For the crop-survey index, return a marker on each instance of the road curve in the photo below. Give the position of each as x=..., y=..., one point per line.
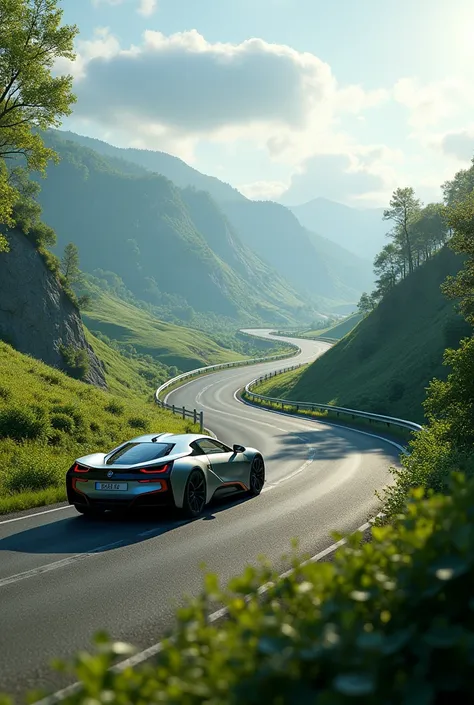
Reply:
x=63, y=577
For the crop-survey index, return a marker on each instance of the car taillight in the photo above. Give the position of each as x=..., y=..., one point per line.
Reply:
x=80, y=468
x=159, y=469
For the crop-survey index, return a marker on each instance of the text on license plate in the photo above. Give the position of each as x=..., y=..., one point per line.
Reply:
x=111, y=486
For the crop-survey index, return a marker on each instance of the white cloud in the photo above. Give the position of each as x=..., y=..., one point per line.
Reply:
x=181, y=85
x=145, y=7
x=342, y=177
x=263, y=190
x=430, y=104
x=459, y=144
x=177, y=92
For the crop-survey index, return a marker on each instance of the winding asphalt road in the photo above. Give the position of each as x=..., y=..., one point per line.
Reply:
x=63, y=577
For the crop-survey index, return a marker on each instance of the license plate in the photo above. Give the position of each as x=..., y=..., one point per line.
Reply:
x=111, y=486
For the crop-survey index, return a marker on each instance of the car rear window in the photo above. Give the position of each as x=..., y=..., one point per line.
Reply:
x=133, y=453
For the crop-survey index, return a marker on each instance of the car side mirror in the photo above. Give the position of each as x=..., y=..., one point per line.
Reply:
x=238, y=449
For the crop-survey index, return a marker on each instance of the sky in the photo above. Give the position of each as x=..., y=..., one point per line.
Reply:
x=287, y=100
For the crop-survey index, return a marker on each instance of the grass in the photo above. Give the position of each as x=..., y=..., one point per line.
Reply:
x=48, y=419
x=386, y=362
x=169, y=344
x=337, y=331
x=128, y=377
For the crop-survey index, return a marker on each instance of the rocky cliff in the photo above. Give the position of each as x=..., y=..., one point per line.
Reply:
x=36, y=316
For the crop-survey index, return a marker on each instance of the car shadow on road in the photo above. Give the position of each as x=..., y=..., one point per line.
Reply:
x=79, y=534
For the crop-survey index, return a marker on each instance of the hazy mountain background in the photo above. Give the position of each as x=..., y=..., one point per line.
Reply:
x=361, y=231
x=160, y=240
x=319, y=268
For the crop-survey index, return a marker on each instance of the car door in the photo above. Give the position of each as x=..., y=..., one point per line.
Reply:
x=226, y=464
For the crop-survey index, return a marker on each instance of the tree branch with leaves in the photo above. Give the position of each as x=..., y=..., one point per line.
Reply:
x=32, y=39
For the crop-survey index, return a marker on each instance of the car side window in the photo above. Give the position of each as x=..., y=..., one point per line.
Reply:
x=210, y=447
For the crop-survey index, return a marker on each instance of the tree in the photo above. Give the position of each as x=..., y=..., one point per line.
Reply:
x=457, y=190
x=84, y=301
x=404, y=210
x=366, y=304
x=430, y=231
x=70, y=263
x=31, y=98
x=387, y=265
x=461, y=219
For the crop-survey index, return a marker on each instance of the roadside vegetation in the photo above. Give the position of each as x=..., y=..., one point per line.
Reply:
x=48, y=419
x=335, y=331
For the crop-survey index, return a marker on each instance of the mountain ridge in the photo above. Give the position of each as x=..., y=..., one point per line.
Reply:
x=348, y=282
x=140, y=227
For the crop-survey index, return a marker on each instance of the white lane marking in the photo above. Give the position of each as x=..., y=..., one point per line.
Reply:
x=57, y=564
x=155, y=649
x=160, y=530
x=306, y=464
x=321, y=421
x=37, y=514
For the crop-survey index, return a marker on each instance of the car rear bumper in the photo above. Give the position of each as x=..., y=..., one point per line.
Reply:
x=137, y=495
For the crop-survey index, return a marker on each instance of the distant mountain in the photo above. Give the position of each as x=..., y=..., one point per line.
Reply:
x=316, y=266
x=180, y=173
x=311, y=263
x=359, y=231
x=161, y=241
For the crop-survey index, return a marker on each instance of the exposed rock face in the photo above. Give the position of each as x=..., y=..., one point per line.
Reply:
x=36, y=316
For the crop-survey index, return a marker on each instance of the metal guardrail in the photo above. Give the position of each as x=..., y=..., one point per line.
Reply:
x=313, y=406
x=199, y=415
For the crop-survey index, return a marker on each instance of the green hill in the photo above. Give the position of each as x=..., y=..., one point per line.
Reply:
x=386, y=362
x=141, y=228
x=172, y=167
x=47, y=419
x=337, y=331
x=166, y=343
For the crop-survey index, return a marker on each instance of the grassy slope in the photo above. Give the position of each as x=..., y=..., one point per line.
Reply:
x=32, y=471
x=385, y=364
x=338, y=331
x=182, y=347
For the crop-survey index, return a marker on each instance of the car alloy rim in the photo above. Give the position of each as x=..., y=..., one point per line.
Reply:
x=257, y=476
x=196, y=492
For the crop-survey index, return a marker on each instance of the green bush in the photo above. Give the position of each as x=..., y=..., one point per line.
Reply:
x=62, y=422
x=390, y=621
x=21, y=423
x=73, y=411
x=76, y=361
x=5, y=393
x=32, y=470
x=115, y=408
x=138, y=423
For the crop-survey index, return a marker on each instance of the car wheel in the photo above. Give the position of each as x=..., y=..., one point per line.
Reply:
x=89, y=511
x=194, y=495
x=257, y=475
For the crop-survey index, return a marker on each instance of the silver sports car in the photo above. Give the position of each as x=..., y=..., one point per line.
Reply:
x=183, y=471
